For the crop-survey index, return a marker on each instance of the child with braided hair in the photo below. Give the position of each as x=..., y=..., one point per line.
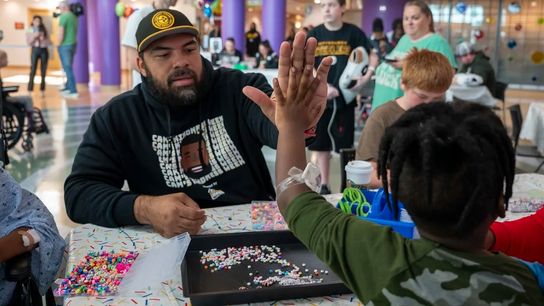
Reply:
x=452, y=166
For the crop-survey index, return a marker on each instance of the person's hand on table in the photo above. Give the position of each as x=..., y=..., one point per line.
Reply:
x=171, y=214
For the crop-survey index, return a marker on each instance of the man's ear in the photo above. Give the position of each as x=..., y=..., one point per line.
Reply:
x=141, y=65
x=501, y=209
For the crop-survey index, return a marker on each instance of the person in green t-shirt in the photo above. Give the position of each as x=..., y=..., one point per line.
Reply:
x=418, y=24
x=452, y=166
x=67, y=39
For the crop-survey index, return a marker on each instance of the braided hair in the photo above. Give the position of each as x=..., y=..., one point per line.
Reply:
x=448, y=164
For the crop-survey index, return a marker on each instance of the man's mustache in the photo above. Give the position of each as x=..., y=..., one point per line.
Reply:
x=181, y=73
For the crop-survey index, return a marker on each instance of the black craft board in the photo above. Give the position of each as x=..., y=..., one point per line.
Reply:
x=204, y=287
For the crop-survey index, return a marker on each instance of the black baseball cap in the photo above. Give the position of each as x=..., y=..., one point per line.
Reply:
x=162, y=23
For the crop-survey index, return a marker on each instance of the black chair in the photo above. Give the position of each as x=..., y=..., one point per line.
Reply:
x=522, y=150
x=14, y=120
x=26, y=293
x=346, y=155
x=499, y=94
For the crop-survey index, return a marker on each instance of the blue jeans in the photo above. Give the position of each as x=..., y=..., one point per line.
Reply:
x=66, y=54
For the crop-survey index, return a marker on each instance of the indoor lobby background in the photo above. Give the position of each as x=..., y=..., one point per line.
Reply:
x=513, y=37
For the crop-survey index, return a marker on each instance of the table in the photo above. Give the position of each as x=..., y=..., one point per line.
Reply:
x=476, y=94
x=236, y=218
x=533, y=126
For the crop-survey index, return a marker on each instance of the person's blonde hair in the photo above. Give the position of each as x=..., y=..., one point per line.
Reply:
x=427, y=70
x=425, y=9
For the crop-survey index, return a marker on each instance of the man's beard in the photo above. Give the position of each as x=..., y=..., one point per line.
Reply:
x=173, y=95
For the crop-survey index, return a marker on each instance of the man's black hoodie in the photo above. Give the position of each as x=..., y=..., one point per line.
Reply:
x=210, y=150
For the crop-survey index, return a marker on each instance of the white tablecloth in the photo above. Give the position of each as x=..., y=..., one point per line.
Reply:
x=236, y=218
x=476, y=94
x=533, y=126
x=270, y=74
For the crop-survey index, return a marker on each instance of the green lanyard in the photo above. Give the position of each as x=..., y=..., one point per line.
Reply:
x=353, y=196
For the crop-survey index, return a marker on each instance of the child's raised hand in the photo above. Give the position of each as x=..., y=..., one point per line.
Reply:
x=295, y=74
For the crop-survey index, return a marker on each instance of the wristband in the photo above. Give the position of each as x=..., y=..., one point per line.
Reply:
x=311, y=176
x=30, y=237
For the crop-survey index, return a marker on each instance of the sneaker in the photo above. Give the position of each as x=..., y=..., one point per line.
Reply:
x=357, y=62
x=70, y=95
x=325, y=190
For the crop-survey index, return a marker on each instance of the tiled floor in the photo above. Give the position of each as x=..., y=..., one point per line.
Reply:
x=44, y=170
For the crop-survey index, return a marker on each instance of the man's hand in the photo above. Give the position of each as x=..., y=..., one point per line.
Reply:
x=171, y=214
x=292, y=64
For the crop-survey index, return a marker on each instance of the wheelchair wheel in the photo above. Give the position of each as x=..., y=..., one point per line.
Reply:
x=13, y=123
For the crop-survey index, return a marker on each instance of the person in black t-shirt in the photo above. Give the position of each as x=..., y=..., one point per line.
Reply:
x=253, y=39
x=336, y=127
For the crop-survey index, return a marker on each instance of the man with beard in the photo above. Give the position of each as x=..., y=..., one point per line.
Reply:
x=183, y=114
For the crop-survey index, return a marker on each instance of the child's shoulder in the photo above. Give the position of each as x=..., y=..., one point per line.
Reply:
x=448, y=276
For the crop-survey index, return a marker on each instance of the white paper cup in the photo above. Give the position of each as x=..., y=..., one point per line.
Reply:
x=358, y=173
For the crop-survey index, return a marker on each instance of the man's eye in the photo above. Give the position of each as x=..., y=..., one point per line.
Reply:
x=161, y=55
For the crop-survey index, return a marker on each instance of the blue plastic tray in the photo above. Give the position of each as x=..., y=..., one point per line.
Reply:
x=381, y=214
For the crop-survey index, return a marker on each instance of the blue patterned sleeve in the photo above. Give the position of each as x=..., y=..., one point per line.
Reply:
x=21, y=208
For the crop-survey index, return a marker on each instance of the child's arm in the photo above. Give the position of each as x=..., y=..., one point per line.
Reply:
x=11, y=245
x=300, y=105
x=522, y=238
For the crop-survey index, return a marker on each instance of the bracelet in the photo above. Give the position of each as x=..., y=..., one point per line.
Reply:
x=29, y=238
x=310, y=132
x=311, y=176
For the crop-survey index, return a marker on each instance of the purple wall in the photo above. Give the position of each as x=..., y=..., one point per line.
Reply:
x=81, y=58
x=371, y=10
x=95, y=51
x=111, y=47
x=273, y=14
x=232, y=22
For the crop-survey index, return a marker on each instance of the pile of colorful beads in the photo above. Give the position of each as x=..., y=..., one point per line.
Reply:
x=99, y=273
x=289, y=274
x=266, y=216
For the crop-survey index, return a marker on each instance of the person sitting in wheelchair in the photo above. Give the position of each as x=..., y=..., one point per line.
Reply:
x=25, y=101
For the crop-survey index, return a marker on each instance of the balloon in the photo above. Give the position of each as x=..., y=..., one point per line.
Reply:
x=120, y=9
x=478, y=34
x=512, y=43
x=518, y=27
x=534, y=78
x=540, y=21
x=514, y=7
x=217, y=7
x=207, y=11
x=537, y=57
x=128, y=11
x=461, y=7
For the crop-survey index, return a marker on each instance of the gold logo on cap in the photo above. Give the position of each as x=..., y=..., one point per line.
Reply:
x=162, y=20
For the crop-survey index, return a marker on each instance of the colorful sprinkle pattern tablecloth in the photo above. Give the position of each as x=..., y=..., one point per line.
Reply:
x=87, y=238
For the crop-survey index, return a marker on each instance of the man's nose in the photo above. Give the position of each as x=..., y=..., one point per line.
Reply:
x=180, y=60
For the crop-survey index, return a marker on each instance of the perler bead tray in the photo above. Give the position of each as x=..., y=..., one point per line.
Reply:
x=250, y=267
